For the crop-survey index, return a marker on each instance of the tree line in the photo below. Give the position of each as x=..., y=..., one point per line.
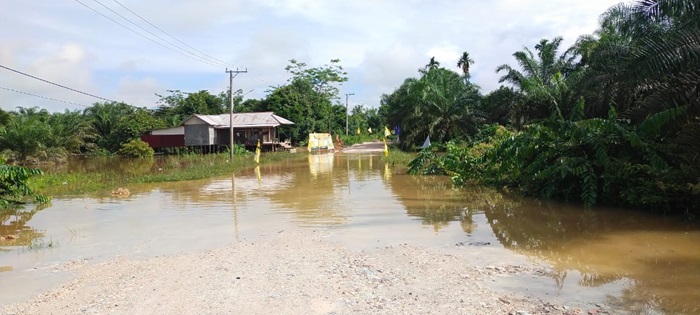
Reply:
x=310, y=99
x=614, y=119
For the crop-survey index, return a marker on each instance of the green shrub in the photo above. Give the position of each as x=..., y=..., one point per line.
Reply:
x=136, y=148
x=13, y=185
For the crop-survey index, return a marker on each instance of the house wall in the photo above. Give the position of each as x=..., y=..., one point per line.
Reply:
x=223, y=137
x=180, y=130
x=164, y=141
x=199, y=134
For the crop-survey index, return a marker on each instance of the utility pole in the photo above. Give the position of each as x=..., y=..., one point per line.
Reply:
x=346, y=112
x=230, y=117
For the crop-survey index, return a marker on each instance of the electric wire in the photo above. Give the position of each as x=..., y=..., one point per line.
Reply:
x=44, y=97
x=173, y=37
x=155, y=35
x=148, y=38
x=56, y=84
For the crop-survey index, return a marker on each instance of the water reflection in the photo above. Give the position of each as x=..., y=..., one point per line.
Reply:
x=437, y=203
x=654, y=261
x=657, y=257
x=645, y=262
x=14, y=223
x=15, y=231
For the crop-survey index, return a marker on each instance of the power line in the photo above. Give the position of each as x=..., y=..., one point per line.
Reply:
x=56, y=84
x=173, y=37
x=148, y=38
x=44, y=97
x=155, y=35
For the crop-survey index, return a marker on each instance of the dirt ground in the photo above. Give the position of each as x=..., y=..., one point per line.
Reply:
x=286, y=272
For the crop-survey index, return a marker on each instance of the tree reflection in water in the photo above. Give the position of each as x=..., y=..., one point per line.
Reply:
x=657, y=257
x=653, y=261
x=15, y=222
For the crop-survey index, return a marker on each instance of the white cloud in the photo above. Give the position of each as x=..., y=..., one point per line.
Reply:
x=138, y=91
x=380, y=43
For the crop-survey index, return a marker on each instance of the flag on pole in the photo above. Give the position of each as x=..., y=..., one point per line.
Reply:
x=257, y=153
x=386, y=149
x=358, y=130
x=386, y=132
x=369, y=129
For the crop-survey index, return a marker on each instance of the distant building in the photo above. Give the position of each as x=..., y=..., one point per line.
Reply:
x=166, y=138
x=212, y=132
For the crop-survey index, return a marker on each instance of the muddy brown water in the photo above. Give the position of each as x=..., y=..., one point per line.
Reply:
x=629, y=261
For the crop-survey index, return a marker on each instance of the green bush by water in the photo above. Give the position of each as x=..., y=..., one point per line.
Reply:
x=594, y=161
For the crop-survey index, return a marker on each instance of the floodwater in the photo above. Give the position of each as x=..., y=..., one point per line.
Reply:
x=630, y=261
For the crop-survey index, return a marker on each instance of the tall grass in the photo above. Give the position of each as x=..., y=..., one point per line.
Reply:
x=399, y=158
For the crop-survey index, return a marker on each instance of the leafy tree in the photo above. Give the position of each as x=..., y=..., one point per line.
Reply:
x=251, y=105
x=499, y=105
x=324, y=80
x=439, y=104
x=363, y=118
x=13, y=185
x=133, y=125
x=178, y=106
x=297, y=102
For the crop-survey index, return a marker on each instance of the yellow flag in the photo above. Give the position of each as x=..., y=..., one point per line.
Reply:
x=369, y=129
x=358, y=130
x=386, y=132
x=257, y=153
x=386, y=149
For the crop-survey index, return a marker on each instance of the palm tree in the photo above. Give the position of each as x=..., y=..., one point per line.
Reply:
x=438, y=104
x=541, y=78
x=536, y=69
x=645, y=60
x=432, y=64
x=464, y=62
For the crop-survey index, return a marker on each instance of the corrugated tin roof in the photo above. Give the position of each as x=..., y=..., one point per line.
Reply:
x=260, y=119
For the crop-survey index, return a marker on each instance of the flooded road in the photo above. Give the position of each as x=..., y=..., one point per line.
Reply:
x=629, y=261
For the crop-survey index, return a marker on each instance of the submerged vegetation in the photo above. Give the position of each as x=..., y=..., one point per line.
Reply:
x=100, y=177
x=615, y=119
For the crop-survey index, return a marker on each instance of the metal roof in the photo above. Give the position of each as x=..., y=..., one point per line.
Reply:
x=242, y=120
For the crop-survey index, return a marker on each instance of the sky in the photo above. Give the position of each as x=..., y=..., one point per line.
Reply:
x=380, y=43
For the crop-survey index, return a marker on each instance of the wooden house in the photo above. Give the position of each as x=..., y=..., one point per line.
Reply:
x=212, y=132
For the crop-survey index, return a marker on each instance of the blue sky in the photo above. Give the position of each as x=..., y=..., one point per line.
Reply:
x=380, y=43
